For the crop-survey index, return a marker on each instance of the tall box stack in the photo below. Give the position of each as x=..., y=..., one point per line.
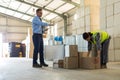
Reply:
x=71, y=57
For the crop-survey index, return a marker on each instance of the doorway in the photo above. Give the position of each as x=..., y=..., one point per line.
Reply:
x=1, y=52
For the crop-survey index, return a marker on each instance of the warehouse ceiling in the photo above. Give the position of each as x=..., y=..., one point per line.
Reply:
x=25, y=9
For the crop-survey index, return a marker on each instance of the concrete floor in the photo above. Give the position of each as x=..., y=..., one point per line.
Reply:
x=21, y=69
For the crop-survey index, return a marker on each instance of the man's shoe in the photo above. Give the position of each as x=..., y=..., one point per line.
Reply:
x=45, y=65
x=103, y=66
x=37, y=66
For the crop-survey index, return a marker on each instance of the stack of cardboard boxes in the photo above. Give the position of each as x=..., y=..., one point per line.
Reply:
x=74, y=59
x=71, y=57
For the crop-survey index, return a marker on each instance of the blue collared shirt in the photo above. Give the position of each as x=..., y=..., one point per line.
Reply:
x=37, y=25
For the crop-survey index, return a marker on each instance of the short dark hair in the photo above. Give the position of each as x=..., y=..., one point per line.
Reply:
x=38, y=10
x=85, y=35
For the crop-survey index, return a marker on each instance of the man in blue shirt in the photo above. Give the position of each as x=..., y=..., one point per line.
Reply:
x=38, y=26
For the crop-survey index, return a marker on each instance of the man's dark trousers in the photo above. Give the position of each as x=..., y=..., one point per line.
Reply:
x=104, y=52
x=38, y=48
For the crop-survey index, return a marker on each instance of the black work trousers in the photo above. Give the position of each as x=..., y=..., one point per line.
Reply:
x=104, y=52
x=38, y=48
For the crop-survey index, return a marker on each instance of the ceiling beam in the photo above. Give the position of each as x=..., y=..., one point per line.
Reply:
x=61, y=15
x=55, y=9
x=48, y=3
x=12, y=25
x=10, y=16
x=16, y=32
x=73, y=3
x=46, y=14
x=21, y=12
x=59, y=6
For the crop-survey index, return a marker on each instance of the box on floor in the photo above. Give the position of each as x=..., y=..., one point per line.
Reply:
x=71, y=62
x=88, y=62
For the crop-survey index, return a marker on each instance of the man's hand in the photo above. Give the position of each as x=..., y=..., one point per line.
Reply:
x=46, y=30
x=88, y=54
x=98, y=53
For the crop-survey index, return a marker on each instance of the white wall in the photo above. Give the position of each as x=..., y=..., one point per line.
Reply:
x=110, y=22
x=13, y=29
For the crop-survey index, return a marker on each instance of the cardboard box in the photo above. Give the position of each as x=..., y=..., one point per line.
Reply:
x=60, y=63
x=98, y=64
x=71, y=50
x=90, y=63
x=79, y=60
x=80, y=55
x=71, y=62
